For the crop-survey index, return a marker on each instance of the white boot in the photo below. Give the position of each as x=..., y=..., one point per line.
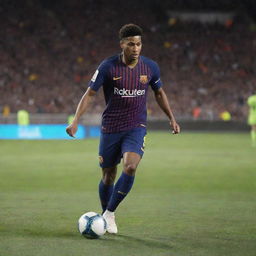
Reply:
x=110, y=219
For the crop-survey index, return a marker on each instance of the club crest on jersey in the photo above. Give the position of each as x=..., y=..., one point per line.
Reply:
x=143, y=79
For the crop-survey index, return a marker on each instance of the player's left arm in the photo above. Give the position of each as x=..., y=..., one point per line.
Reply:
x=162, y=101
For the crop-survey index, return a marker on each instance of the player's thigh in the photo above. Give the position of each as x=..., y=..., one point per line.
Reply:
x=133, y=149
x=110, y=150
x=134, y=141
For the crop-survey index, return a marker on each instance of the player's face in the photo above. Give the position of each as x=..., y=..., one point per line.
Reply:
x=131, y=47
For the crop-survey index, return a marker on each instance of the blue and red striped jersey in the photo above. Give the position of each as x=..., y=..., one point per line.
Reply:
x=125, y=91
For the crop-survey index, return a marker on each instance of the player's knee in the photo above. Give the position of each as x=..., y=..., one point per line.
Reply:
x=108, y=179
x=130, y=168
x=109, y=175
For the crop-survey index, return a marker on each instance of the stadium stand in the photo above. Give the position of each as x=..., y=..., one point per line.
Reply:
x=48, y=54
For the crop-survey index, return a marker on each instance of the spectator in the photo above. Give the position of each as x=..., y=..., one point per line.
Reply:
x=48, y=56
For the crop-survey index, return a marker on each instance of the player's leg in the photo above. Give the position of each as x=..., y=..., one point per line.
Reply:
x=132, y=149
x=133, y=144
x=125, y=181
x=121, y=189
x=109, y=157
x=106, y=185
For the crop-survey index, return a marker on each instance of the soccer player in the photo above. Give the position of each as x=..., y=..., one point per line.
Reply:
x=125, y=78
x=252, y=118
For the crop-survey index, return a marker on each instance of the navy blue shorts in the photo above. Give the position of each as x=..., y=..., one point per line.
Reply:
x=114, y=145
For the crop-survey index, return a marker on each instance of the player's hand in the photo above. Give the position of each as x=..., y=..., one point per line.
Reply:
x=175, y=127
x=71, y=130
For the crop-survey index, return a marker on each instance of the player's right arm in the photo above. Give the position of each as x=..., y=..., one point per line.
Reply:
x=96, y=82
x=81, y=109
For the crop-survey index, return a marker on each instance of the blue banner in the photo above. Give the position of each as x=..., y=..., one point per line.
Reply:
x=93, y=131
x=39, y=132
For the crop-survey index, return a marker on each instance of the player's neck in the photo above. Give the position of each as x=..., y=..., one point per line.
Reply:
x=129, y=63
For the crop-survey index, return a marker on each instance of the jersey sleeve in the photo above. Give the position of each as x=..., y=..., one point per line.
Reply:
x=155, y=81
x=99, y=77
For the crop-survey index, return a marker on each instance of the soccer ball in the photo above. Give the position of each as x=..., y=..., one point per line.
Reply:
x=92, y=225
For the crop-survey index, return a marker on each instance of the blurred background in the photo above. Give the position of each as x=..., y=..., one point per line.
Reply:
x=50, y=49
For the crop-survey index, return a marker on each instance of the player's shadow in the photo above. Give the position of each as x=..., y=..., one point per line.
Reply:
x=145, y=242
x=48, y=234
x=125, y=239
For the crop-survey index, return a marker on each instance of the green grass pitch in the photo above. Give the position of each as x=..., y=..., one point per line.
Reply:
x=194, y=194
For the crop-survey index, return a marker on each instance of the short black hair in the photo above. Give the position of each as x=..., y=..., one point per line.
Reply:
x=130, y=30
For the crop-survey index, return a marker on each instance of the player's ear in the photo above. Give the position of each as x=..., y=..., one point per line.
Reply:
x=122, y=44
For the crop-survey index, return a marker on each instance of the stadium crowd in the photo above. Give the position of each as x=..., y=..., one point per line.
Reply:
x=48, y=54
